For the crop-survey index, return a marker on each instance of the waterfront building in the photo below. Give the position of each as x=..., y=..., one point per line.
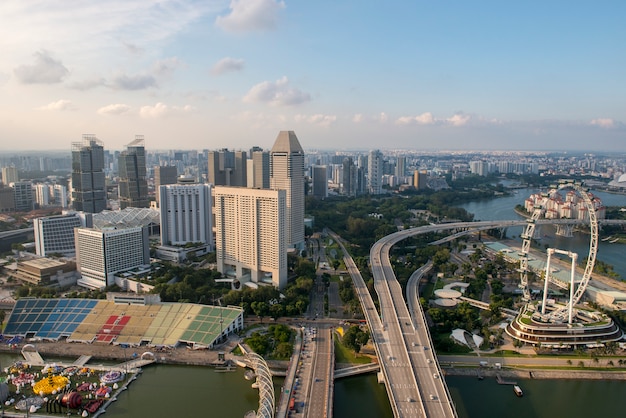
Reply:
x=100, y=254
x=23, y=195
x=55, y=234
x=133, y=186
x=88, y=181
x=186, y=214
x=164, y=175
x=46, y=271
x=227, y=168
x=10, y=175
x=251, y=234
x=375, y=167
x=287, y=173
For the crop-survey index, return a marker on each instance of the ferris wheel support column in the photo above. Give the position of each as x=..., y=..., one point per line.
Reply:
x=571, y=288
x=545, y=281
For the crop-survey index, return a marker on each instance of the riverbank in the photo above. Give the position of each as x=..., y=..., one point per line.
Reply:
x=536, y=373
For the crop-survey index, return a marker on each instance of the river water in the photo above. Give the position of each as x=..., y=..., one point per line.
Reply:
x=502, y=208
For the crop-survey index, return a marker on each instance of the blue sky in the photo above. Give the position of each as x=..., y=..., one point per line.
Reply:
x=347, y=74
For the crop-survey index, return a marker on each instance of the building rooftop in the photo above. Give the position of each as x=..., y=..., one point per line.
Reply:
x=287, y=141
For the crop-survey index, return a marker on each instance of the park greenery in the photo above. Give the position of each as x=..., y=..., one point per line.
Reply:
x=275, y=343
x=354, y=338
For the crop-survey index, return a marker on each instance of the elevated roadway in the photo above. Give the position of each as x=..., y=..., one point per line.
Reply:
x=402, y=341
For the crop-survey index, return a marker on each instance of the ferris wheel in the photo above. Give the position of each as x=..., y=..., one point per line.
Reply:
x=593, y=246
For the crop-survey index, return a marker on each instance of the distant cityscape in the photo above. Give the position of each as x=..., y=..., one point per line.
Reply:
x=247, y=206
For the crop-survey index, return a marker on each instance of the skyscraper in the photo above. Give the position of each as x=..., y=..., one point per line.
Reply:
x=260, y=170
x=375, y=172
x=133, y=186
x=227, y=168
x=9, y=175
x=23, y=192
x=88, y=185
x=319, y=174
x=250, y=234
x=186, y=214
x=164, y=175
x=287, y=173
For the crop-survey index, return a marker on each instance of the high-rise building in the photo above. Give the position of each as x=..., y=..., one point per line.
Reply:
x=287, y=173
x=260, y=175
x=375, y=166
x=348, y=180
x=101, y=253
x=133, y=186
x=42, y=194
x=164, y=175
x=88, y=185
x=250, y=234
x=60, y=195
x=23, y=192
x=10, y=175
x=420, y=179
x=186, y=215
x=400, y=166
x=7, y=199
x=55, y=234
x=227, y=168
x=319, y=175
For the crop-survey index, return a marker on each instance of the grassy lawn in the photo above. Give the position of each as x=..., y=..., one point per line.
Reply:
x=345, y=355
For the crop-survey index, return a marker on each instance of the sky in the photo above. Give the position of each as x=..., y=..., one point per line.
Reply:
x=347, y=74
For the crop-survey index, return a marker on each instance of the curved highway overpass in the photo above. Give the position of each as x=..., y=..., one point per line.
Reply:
x=403, y=343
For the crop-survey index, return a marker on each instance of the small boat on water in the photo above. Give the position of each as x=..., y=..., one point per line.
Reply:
x=518, y=391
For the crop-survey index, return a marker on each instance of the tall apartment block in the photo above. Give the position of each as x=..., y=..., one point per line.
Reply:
x=164, y=175
x=9, y=175
x=375, y=166
x=55, y=234
x=227, y=168
x=319, y=175
x=186, y=214
x=287, y=173
x=23, y=195
x=101, y=253
x=133, y=186
x=88, y=185
x=250, y=234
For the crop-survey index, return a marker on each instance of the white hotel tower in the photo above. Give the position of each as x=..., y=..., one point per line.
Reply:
x=250, y=234
x=287, y=173
x=186, y=214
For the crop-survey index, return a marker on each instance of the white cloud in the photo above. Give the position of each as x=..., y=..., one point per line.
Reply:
x=59, y=105
x=227, y=65
x=114, y=109
x=382, y=117
x=45, y=70
x=425, y=118
x=161, y=110
x=251, y=15
x=318, y=119
x=357, y=118
x=88, y=31
x=276, y=94
x=459, y=119
x=605, y=123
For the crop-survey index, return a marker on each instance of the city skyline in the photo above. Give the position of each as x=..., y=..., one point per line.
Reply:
x=348, y=75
